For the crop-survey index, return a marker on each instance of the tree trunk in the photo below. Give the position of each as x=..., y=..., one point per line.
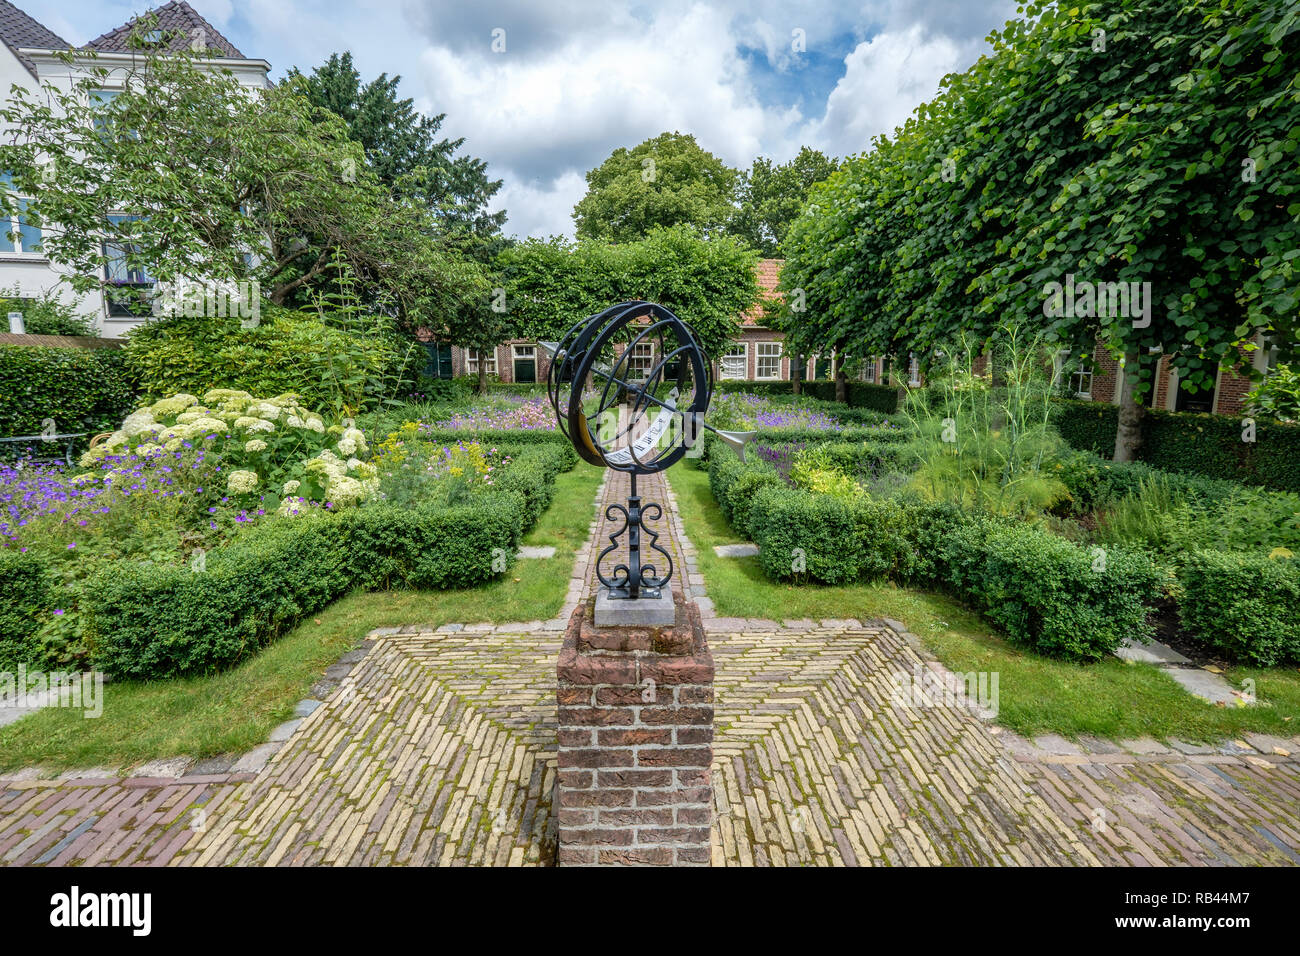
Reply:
x=1128, y=435
x=797, y=364
x=841, y=384
x=482, y=372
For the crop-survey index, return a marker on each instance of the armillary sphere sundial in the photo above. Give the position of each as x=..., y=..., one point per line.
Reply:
x=630, y=387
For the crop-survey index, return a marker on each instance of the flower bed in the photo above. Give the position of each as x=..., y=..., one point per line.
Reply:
x=187, y=485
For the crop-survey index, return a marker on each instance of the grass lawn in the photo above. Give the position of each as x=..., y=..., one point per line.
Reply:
x=234, y=711
x=1037, y=695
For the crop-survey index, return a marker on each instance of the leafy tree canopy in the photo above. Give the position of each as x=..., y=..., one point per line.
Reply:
x=771, y=196
x=403, y=147
x=551, y=285
x=666, y=181
x=1126, y=142
x=185, y=174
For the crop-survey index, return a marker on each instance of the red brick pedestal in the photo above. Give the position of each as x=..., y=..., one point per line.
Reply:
x=635, y=743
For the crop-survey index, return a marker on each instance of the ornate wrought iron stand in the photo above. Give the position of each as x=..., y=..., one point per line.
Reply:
x=634, y=579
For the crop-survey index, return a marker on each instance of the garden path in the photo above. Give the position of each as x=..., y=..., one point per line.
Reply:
x=438, y=747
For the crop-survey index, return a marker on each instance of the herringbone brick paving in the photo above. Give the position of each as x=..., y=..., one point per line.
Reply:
x=440, y=749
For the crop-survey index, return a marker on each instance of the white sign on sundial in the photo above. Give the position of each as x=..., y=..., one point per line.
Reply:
x=639, y=448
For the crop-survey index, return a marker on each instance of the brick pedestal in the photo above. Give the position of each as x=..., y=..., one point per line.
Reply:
x=635, y=743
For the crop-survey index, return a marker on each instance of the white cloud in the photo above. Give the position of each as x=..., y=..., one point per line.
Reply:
x=884, y=80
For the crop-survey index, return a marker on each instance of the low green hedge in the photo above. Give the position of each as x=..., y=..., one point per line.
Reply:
x=1039, y=589
x=495, y=438
x=83, y=390
x=880, y=398
x=1049, y=594
x=1209, y=445
x=1094, y=481
x=26, y=590
x=1246, y=606
x=800, y=534
x=148, y=622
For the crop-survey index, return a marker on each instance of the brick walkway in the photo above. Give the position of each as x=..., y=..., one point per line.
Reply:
x=438, y=748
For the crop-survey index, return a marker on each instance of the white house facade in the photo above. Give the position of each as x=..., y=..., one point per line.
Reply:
x=30, y=57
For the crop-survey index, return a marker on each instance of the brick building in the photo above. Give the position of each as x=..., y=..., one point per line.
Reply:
x=758, y=355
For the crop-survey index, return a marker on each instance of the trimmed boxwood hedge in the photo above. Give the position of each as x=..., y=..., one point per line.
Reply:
x=880, y=398
x=83, y=390
x=1039, y=589
x=1246, y=606
x=26, y=590
x=1209, y=445
x=148, y=622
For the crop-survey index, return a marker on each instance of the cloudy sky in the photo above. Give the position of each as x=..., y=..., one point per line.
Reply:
x=578, y=78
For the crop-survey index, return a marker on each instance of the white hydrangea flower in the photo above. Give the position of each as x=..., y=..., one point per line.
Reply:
x=174, y=444
x=343, y=490
x=254, y=445
x=266, y=410
x=137, y=422
x=254, y=424
x=216, y=396
x=166, y=407
x=185, y=418
x=241, y=482
x=354, y=464
x=347, y=447
x=114, y=440
x=358, y=437
x=290, y=487
x=208, y=426
x=182, y=431
x=148, y=448
x=315, y=423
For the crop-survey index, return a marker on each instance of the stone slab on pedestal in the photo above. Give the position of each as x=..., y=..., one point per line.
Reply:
x=635, y=742
x=638, y=612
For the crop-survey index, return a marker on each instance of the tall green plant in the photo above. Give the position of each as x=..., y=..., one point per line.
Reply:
x=982, y=425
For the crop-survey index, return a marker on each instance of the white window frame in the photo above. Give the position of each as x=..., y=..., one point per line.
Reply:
x=913, y=370
x=1077, y=378
x=867, y=372
x=472, y=358
x=722, y=362
x=524, y=352
x=12, y=227
x=759, y=357
x=634, y=370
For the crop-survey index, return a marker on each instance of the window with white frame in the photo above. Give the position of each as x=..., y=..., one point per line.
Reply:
x=641, y=361
x=734, y=362
x=1081, y=382
x=17, y=234
x=913, y=370
x=525, y=351
x=474, y=356
x=867, y=371
x=768, y=360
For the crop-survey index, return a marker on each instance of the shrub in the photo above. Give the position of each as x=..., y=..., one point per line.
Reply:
x=326, y=360
x=1209, y=445
x=1049, y=594
x=148, y=621
x=83, y=390
x=47, y=314
x=1246, y=606
x=26, y=589
x=800, y=534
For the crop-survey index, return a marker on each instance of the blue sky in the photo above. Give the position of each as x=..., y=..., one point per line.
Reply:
x=579, y=78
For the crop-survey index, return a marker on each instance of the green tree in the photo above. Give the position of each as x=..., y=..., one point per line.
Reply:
x=666, y=181
x=403, y=147
x=187, y=175
x=710, y=283
x=1132, y=141
x=771, y=196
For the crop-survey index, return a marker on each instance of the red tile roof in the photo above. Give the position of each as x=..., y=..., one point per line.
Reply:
x=768, y=273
